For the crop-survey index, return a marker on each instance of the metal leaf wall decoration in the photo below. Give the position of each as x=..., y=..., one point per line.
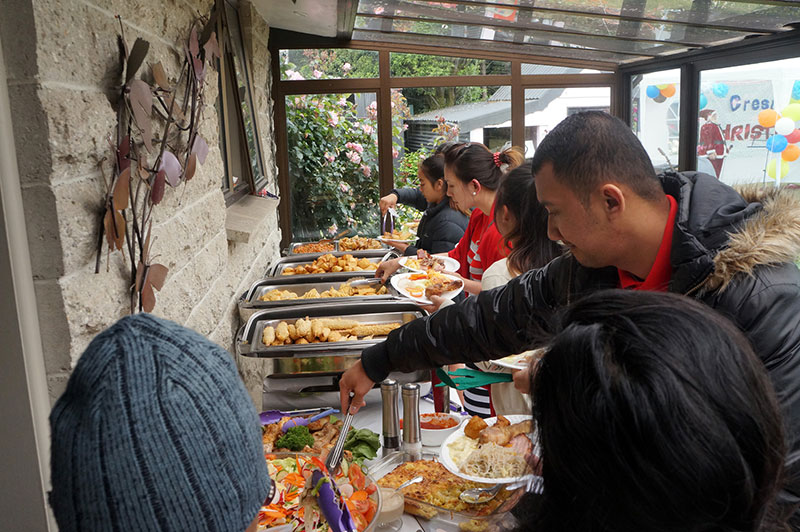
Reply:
x=168, y=113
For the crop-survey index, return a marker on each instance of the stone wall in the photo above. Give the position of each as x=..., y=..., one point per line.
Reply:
x=64, y=75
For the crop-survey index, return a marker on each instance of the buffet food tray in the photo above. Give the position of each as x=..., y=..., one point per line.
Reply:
x=249, y=301
x=373, y=255
x=295, y=245
x=323, y=358
x=436, y=517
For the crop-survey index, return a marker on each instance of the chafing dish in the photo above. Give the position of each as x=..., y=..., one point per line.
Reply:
x=373, y=255
x=300, y=284
x=324, y=358
x=335, y=243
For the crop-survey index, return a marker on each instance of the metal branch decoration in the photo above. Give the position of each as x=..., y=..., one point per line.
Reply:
x=157, y=144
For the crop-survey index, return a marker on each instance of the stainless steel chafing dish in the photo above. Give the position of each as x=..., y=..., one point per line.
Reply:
x=295, y=245
x=324, y=359
x=300, y=284
x=373, y=255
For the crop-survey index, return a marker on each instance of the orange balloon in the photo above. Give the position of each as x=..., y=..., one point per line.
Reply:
x=791, y=153
x=768, y=117
x=668, y=91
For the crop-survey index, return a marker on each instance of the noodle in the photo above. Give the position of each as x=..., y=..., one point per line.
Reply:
x=493, y=461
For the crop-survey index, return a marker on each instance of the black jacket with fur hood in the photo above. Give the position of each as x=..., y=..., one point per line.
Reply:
x=734, y=251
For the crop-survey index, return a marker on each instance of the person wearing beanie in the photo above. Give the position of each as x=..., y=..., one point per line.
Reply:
x=156, y=431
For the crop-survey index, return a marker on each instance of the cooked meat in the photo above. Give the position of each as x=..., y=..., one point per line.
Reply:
x=503, y=435
x=324, y=436
x=440, y=286
x=502, y=421
x=378, y=329
x=474, y=427
x=522, y=444
x=318, y=424
x=271, y=433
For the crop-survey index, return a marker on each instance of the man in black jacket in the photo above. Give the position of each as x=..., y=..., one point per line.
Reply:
x=625, y=227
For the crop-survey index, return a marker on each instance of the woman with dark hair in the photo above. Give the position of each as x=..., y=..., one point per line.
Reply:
x=441, y=226
x=653, y=413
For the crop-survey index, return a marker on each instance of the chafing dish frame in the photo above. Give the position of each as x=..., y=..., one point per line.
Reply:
x=275, y=269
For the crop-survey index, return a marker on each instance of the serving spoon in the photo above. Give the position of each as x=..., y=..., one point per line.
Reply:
x=407, y=483
x=481, y=495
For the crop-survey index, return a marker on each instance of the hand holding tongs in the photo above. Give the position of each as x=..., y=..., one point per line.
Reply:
x=390, y=215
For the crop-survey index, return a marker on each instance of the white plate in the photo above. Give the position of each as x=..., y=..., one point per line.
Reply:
x=518, y=361
x=401, y=281
x=450, y=264
x=447, y=460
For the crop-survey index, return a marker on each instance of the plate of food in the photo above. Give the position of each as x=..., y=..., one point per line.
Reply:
x=302, y=502
x=520, y=361
x=421, y=286
x=424, y=261
x=496, y=450
x=398, y=236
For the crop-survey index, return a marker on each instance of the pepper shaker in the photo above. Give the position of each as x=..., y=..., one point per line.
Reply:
x=411, y=432
x=390, y=396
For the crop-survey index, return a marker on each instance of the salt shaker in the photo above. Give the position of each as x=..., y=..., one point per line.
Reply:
x=390, y=396
x=411, y=435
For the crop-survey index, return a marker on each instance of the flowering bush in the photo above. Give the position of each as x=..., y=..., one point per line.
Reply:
x=333, y=159
x=333, y=155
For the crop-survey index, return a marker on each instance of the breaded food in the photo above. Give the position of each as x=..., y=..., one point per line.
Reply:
x=282, y=331
x=338, y=324
x=439, y=487
x=474, y=427
x=268, y=336
x=380, y=329
x=330, y=263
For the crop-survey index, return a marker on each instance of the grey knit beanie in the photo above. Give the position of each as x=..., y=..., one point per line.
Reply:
x=155, y=432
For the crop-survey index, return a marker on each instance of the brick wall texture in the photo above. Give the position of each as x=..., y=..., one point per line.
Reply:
x=64, y=74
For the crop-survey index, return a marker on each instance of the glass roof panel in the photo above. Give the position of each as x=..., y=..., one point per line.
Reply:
x=622, y=27
x=464, y=31
x=490, y=46
x=408, y=65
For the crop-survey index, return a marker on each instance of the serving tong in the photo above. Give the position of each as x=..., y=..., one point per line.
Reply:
x=330, y=498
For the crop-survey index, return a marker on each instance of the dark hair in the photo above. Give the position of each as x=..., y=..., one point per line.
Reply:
x=531, y=246
x=447, y=146
x=473, y=160
x=432, y=169
x=654, y=413
x=591, y=147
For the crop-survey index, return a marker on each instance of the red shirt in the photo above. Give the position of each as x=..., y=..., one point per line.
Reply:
x=661, y=272
x=480, y=247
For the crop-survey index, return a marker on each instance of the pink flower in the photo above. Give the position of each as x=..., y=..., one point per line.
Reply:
x=366, y=170
x=317, y=73
x=368, y=129
x=347, y=67
x=379, y=10
x=355, y=146
x=344, y=187
x=294, y=76
x=329, y=157
x=373, y=105
x=333, y=228
x=354, y=157
x=405, y=126
x=395, y=153
x=333, y=119
x=342, y=102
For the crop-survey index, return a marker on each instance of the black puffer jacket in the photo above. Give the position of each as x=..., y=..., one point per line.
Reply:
x=734, y=251
x=440, y=228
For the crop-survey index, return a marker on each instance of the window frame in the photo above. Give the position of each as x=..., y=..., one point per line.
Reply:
x=384, y=83
x=228, y=86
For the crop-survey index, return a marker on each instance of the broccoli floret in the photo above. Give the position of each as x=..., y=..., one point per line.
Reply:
x=295, y=439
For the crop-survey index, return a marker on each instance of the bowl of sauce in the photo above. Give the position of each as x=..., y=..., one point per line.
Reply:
x=436, y=427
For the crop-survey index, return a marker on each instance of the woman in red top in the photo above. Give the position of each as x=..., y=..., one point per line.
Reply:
x=473, y=174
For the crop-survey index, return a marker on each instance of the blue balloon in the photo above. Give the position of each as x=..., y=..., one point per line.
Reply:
x=777, y=143
x=719, y=90
x=703, y=101
x=796, y=90
x=652, y=91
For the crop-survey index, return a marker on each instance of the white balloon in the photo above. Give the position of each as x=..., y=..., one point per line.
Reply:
x=784, y=126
